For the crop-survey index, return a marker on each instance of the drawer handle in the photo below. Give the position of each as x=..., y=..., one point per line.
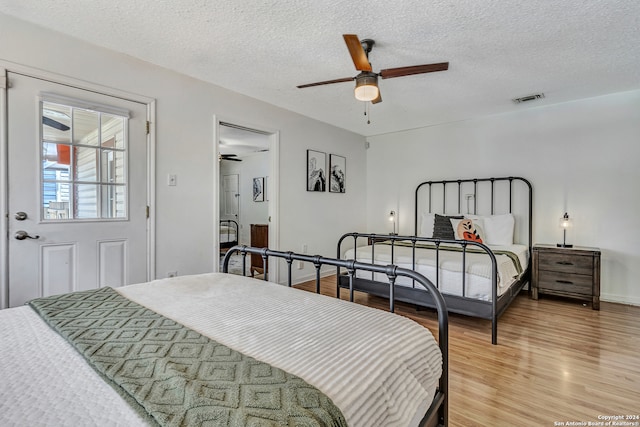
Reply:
x=564, y=263
x=566, y=282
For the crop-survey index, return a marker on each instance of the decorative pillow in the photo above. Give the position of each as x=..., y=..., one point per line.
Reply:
x=468, y=229
x=442, y=228
x=426, y=224
x=499, y=229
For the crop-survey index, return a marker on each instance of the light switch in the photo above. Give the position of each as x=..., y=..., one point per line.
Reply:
x=172, y=179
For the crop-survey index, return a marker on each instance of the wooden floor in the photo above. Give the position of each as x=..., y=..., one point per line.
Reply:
x=557, y=361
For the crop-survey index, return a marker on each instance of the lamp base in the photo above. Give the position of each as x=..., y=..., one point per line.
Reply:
x=564, y=245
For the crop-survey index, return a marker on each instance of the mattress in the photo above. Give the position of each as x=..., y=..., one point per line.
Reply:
x=377, y=367
x=478, y=274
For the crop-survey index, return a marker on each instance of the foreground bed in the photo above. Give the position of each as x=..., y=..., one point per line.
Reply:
x=476, y=279
x=358, y=358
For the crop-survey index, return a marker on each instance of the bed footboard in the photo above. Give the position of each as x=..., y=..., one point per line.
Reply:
x=226, y=233
x=438, y=411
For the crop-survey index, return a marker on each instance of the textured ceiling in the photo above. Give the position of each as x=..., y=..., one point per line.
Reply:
x=497, y=49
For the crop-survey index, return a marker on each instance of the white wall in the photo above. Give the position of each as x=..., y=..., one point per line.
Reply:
x=184, y=127
x=581, y=157
x=314, y=218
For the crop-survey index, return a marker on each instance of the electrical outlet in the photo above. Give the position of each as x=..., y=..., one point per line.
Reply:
x=172, y=274
x=300, y=265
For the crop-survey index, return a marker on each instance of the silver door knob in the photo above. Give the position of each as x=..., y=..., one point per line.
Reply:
x=21, y=235
x=20, y=216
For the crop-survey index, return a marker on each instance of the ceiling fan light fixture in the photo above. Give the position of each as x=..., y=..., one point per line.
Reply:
x=366, y=86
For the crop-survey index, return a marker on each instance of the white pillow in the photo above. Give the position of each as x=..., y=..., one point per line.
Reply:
x=498, y=229
x=426, y=224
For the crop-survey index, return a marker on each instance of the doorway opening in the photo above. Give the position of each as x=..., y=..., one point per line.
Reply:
x=246, y=208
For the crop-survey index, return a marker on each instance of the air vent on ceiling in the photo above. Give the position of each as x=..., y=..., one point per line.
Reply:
x=528, y=98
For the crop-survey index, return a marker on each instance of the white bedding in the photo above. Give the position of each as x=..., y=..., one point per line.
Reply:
x=378, y=368
x=478, y=282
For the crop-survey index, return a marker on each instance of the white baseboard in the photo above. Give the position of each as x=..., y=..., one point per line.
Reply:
x=620, y=299
x=306, y=277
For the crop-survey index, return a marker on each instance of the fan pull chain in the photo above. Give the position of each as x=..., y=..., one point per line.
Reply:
x=367, y=112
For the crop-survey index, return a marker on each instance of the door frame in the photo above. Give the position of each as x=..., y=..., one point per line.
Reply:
x=6, y=67
x=274, y=185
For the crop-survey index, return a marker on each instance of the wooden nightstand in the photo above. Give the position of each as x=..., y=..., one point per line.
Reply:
x=259, y=239
x=568, y=272
x=372, y=240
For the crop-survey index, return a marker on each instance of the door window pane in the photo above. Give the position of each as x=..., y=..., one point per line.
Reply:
x=55, y=160
x=112, y=131
x=84, y=163
x=114, y=201
x=56, y=122
x=112, y=167
x=85, y=201
x=85, y=127
x=53, y=193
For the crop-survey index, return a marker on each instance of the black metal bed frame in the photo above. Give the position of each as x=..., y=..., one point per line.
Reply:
x=230, y=224
x=438, y=412
x=490, y=310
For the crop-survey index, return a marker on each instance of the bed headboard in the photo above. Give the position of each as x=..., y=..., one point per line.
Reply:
x=479, y=196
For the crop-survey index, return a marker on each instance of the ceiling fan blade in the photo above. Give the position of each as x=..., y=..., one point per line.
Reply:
x=416, y=69
x=378, y=99
x=231, y=157
x=358, y=55
x=328, y=82
x=54, y=124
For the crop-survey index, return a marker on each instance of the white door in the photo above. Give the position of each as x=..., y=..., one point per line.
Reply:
x=77, y=189
x=231, y=197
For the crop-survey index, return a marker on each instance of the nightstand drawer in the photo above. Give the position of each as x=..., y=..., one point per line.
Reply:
x=569, y=263
x=565, y=282
x=372, y=240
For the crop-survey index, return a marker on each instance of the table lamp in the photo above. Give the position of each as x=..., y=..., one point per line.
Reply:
x=565, y=222
x=392, y=218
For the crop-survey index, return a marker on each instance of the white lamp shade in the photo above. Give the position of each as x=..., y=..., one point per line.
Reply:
x=366, y=87
x=565, y=221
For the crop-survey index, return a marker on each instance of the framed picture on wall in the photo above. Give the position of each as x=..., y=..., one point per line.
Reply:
x=316, y=167
x=337, y=173
x=258, y=189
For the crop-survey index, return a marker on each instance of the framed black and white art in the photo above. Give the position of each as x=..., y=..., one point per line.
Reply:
x=337, y=173
x=316, y=170
x=258, y=189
